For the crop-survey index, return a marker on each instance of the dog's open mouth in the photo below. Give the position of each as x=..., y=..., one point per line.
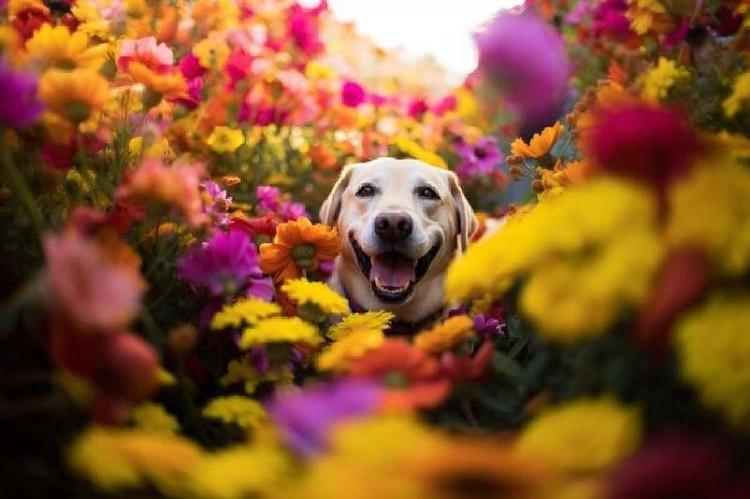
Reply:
x=393, y=275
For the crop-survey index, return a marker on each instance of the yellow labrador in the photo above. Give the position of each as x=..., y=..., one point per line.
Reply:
x=402, y=221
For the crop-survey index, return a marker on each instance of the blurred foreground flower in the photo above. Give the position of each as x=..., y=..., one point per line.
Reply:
x=526, y=57
x=19, y=106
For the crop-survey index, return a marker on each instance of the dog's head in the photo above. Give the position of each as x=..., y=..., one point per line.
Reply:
x=402, y=221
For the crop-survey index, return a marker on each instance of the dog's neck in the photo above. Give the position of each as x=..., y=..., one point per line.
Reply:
x=358, y=292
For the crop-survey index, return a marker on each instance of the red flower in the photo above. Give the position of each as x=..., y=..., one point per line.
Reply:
x=467, y=368
x=261, y=229
x=413, y=379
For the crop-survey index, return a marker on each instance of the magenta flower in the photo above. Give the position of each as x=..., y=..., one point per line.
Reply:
x=190, y=67
x=268, y=199
x=526, y=57
x=609, y=19
x=478, y=159
x=19, y=106
x=225, y=265
x=305, y=417
x=352, y=93
x=293, y=211
x=303, y=28
x=216, y=202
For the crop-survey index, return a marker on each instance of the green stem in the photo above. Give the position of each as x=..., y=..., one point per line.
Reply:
x=18, y=184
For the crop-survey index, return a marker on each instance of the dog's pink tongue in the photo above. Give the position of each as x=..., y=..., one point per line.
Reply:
x=392, y=271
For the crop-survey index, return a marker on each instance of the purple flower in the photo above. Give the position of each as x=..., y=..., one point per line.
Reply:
x=305, y=417
x=216, y=202
x=268, y=199
x=478, y=159
x=293, y=211
x=487, y=326
x=224, y=265
x=19, y=106
x=526, y=57
x=352, y=93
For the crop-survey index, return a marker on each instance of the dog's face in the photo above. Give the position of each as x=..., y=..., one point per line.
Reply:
x=402, y=222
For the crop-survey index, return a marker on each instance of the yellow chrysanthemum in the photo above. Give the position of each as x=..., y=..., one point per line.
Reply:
x=739, y=97
x=74, y=95
x=115, y=459
x=339, y=355
x=242, y=411
x=447, y=335
x=246, y=311
x=153, y=418
x=239, y=472
x=586, y=255
x=540, y=144
x=377, y=320
x=713, y=346
x=319, y=294
x=56, y=46
x=225, y=140
x=583, y=436
x=658, y=81
x=241, y=371
x=416, y=151
x=710, y=208
x=647, y=15
x=212, y=52
x=280, y=330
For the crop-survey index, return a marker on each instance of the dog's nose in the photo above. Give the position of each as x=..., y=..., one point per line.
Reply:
x=393, y=227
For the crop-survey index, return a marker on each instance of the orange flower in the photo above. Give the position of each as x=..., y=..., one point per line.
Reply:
x=447, y=335
x=539, y=145
x=412, y=377
x=168, y=84
x=298, y=245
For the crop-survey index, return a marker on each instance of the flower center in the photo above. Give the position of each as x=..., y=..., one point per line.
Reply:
x=77, y=111
x=303, y=255
x=395, y=379
x=480, y=153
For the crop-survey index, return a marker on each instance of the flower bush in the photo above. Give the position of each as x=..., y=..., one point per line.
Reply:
x=166, y=327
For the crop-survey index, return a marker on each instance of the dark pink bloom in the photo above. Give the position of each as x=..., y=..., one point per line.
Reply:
x=293, y=211
x=19, y=106
x=190, y=67
x=417, y=108
x=479, y=159
x=526, y=57
x=225, y=265
x=237, y=66
x=268, y=199
x=305, y=417
x=609, y=19
x=303, y=28
x=352, y=93
x=444, y=105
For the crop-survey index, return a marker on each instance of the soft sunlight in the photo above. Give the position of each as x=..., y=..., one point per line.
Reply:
x=439, y=28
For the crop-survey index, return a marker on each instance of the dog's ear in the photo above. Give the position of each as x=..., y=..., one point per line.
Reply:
x=331, y=207
x=467, y=221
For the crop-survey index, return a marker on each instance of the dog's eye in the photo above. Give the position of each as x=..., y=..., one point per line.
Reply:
x=365, y=191
x=427, y=192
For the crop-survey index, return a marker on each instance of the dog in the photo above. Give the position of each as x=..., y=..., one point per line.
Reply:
x=401, y=221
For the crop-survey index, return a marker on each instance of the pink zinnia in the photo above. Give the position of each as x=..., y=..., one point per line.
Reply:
x=86, y=288
x=157, y=57
x=352, y=93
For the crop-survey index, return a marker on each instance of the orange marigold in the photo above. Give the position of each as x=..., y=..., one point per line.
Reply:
x=298, y=245
x=539, y=145
x=447, y=335
x=412, y=378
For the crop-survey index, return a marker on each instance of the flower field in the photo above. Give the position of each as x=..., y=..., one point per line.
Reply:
x=166, y=326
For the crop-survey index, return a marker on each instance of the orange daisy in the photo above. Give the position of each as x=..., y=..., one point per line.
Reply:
x=298, y=245
x=539, y=145
x=446, y=336
x=413, y=379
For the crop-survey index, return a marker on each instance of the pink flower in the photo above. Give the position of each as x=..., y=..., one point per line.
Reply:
x=191, y=67
x=155, y=56
x=352, y=93
x=268, y=198
x=87, y=289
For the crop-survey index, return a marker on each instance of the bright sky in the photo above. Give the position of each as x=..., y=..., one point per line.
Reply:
x=441, y=28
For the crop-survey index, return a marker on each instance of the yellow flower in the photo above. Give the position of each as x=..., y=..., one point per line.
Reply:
x=91, y=22
x=647, y=15
x=152, y=418
x=713, y=347
x=587, y=255
x=710, y=209
x=116, y=459
x=376, y=320
x=339, y=355
x=242, y=411
x=586, y=436
x=225, y=140
x=241, y=371
x=246, y=311
x=319, y=294
x=316, y=70
x=211, y=52
x=740, y=94
x=74, y=95
x=56, y=46
x=239, y=472
x=657, y=82
x=447, y=335
x=540, y=144
x=169, y=84
x=416, y=151
x=280, y=330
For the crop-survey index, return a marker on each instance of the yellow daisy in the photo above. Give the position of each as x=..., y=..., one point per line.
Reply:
x=280, y=330
x=242, y=411
x=377, y=320
x=74, y=95
x=153, y=418
x=241, y=371
x=339, y=355
x=739, y=97
x=447, y=335
x=246, y=311
x=225, y=140
x=319, y=294
x=56, y=46
x=657, y=82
